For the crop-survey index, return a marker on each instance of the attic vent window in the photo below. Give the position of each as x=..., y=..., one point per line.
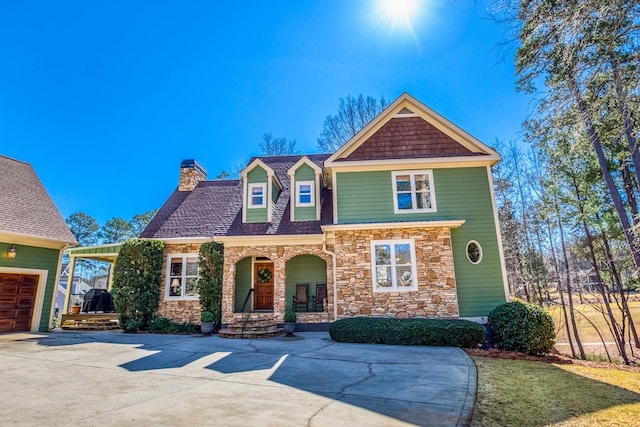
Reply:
x=405, y=110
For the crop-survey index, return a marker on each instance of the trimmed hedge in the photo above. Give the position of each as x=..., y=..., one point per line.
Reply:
x=162, y=325
x=437, y=332
x=522, y=327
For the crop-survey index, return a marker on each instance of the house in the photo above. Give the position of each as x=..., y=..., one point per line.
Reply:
x=400, y=221
x=32, y=238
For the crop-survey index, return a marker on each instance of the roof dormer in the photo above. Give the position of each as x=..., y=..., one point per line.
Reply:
x=261, y=189
x=306, y=184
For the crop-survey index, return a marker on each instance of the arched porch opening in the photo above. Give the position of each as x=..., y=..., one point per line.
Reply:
x=305, y=269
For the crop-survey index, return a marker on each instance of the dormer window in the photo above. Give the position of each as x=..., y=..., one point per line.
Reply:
x=304, y=193
x=257, y=197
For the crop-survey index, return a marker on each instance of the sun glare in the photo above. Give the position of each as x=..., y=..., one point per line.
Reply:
x=399, y=12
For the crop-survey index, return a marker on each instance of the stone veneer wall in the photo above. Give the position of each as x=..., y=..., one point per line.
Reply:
x=279, y=255
x=178, y=310
x=189, y=179
x=436, y=295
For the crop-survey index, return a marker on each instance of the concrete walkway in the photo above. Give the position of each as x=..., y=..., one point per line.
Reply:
x=117, y=379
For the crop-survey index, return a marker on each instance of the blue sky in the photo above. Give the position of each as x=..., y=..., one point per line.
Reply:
x=106, y=98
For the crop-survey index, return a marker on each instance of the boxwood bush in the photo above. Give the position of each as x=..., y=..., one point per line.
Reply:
x=162, y=325
x=523, y=327
x=439, y=332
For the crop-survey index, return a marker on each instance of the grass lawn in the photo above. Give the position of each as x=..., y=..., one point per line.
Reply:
x=524, y=393
x=586, y=330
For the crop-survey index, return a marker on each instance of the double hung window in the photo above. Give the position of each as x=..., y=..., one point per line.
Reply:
x=304, y=193
x=257, y=195
x=394, y=265
x=413, y=191
x=182, y=277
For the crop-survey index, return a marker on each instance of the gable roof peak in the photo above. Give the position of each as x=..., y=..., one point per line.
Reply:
x=429, y=134
x=304, y=160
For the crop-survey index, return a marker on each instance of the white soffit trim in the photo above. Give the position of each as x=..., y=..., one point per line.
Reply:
x=27, y=240
x=267, y=240
x=393, y=225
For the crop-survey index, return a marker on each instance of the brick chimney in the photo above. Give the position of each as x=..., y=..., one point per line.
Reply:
x=191, y=173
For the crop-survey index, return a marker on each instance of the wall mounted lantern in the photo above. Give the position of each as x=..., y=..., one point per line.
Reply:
x=11, y=252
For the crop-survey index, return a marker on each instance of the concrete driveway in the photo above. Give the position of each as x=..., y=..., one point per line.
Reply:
x=117, y=379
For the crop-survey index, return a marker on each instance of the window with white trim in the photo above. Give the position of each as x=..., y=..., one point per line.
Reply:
x=257, y=195
x=304, y=193
x=413, y=191
x=182, y=276
x=474, y=252
x=393, y=265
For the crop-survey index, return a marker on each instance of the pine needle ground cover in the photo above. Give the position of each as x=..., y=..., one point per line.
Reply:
x=523, y=393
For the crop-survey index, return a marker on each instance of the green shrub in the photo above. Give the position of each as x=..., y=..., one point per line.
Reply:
x=438, y=332
x=290, y=316
x=523, y=327
x=136, y=283
x=162, y=325
x=207, y=317
x=210, y=266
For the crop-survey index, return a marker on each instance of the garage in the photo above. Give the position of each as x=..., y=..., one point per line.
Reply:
x=17, y=301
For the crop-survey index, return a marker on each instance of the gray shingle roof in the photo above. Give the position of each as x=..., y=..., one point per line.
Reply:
x=25, y=205
x=214, y=208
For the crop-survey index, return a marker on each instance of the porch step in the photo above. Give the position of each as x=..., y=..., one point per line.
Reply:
x=257, y=327
x=90, y=322
x=252, y=326
x=226, y=333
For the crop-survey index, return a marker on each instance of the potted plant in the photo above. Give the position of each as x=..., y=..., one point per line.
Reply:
x=76, y=304
x=207, y=320
x=290, y=322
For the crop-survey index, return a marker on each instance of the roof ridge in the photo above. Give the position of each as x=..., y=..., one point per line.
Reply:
x=15, y=160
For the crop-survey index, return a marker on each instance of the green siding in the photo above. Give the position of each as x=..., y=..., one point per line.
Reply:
x=304, y=269
x=40, y=259
x=243, y=282
x=256, y=176
x=275, y=193
x=461, y=193
x=305, y=213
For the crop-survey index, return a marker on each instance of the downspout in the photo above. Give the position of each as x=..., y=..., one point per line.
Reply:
x=335, y=284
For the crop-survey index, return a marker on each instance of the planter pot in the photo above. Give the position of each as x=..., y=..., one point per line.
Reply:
x=75, y=309
x=289, y=327
x=206, y=328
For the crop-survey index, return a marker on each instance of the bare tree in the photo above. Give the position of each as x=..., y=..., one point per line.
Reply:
x=271, y=146
x=353, y=114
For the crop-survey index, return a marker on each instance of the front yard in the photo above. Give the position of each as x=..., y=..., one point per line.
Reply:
x=529, y=393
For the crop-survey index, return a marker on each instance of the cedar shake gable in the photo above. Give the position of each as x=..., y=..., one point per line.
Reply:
x=408, y=138
x=407, y=130
x=25, y=206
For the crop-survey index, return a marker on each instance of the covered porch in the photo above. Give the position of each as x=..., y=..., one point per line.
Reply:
x=263, y=282
x=90, y=311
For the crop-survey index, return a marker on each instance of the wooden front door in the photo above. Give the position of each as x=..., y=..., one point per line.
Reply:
x=17, y=301
x=263, y=286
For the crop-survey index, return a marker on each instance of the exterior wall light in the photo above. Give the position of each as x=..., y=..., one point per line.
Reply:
x=11, y=252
